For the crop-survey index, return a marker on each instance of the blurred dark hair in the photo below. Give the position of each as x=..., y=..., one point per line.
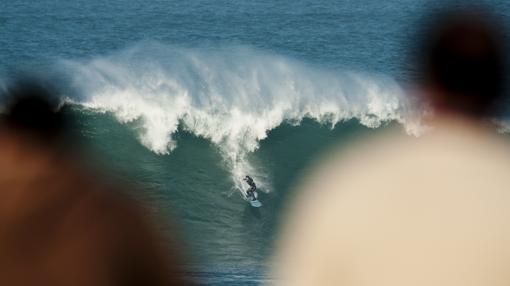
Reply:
x=462, y=54
x=34, y=110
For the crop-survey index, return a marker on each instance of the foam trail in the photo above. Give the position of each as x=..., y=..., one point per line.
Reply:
x=231, y=96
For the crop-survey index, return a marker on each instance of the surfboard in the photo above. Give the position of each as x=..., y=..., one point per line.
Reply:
x=253, y=202
x=256, y=204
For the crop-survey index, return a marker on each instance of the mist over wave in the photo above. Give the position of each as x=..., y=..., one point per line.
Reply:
x=231, y=96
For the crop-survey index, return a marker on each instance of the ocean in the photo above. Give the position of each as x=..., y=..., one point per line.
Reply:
x=185, y=98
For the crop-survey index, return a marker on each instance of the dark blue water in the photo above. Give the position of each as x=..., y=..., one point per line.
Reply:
x=360, y=34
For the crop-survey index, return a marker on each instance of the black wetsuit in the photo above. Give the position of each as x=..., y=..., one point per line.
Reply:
x=253, y=187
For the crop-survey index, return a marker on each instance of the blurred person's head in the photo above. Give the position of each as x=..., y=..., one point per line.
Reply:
x=463, y=63
x=33, y=114
x=404, y=211
x=32, y=108
x=61, y=223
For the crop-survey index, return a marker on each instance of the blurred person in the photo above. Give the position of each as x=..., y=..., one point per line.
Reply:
x=61, y=224
x=433, y=210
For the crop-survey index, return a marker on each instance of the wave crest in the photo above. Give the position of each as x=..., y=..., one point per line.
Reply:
x=231, y=96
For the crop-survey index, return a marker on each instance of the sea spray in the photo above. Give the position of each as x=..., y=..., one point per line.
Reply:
x=231, y=96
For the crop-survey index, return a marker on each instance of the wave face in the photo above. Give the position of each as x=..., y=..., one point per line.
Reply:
x=231, y=96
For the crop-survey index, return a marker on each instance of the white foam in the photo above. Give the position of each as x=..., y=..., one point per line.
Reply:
x=231, y=96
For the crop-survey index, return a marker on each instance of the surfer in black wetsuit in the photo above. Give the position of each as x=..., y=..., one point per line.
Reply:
x=251, y=192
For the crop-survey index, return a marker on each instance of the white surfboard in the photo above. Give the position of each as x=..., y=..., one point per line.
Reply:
x=253, y=202
x=256, y=203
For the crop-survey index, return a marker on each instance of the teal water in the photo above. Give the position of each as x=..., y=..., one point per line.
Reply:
x=191, y=184
x=183, y=98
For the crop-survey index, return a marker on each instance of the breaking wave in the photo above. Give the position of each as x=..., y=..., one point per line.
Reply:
x=231, y=96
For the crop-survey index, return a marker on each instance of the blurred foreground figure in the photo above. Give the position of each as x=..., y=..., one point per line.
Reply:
x=59, y=224
x=402, y=211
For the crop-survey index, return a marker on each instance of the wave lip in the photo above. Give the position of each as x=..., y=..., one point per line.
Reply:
x=231, y=96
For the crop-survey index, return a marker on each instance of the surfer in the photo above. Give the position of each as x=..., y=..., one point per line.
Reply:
x=251, y=192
